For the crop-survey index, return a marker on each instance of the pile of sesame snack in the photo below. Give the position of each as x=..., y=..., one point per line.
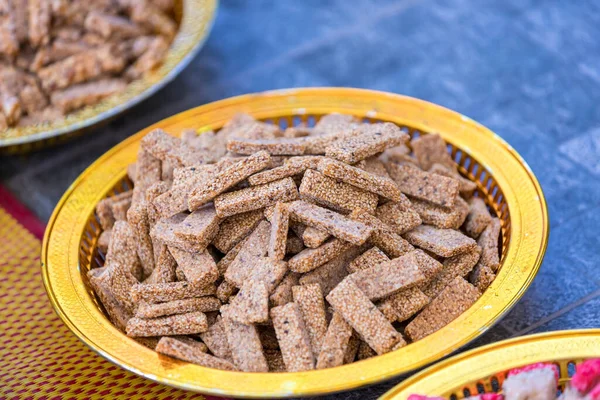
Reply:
x=259, y=249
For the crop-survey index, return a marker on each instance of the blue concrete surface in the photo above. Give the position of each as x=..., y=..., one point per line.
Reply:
x=527, y=69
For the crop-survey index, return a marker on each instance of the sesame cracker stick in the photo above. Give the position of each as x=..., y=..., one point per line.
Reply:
x=256, y=197
x=216, y=340
x=283, y=292
x=312, y=306
x=225, y=291
x=291, y=167
x=277, y=147
x=382, y=235
x=309, y=259
x=436, y=189
x=137, y=217
x=441, y=217
x=251, y=304
x=482, y=277
x=404, y=304
x=455, y=299
x=235, y=228
x=279, y=231
x=199, y=228
x=478, y=219
x=374, y=139
x=357, y=177
x=164, y=232
x=253, y=130
x=330, y=221
x=389, y=277
x=443, y=242
x=429, y=266
x=465, y=186
x=293, y=338
x=163, y=292
x=169, y=148
x=180, y=324
x=458, y=265
x=363, y=316
x=330, y=129
x=198, y=268
x=228, y=178
x=400, y=216
x=264, y=269
x=104, y=240
x=335, y=194
x=313, y=237
x=488, y=241
x=431, y=149
x=164, y=267
x=330, y=274
x=203, y=304
x=245, y=346
x=183, y=351
x=368, y=259
x=117, y=313
x=335, y=343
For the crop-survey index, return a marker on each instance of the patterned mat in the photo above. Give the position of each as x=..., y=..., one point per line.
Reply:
x=40, y=357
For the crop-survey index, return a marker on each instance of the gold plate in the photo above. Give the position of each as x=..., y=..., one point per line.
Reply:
x=196, y=18
x=482, y=369
x=504, y=181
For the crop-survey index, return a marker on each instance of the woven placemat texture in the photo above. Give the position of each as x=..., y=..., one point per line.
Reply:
x=41, y=358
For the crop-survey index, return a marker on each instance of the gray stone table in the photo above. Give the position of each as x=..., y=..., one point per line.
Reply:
x=528, y=69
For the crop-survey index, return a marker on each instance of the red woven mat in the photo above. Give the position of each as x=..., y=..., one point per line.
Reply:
x=40, y=357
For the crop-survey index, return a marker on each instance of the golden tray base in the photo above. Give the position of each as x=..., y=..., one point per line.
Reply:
x=195, y=21
x=504, y=180
x=483, y=370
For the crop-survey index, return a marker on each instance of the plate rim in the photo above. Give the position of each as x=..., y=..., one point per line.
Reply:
x=261, y=385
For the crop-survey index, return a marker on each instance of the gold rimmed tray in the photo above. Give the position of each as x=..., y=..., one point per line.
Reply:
x=504, y=181
x=195, y=21
x=483, y=370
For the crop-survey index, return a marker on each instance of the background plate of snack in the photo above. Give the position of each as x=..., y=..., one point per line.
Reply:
x=485, y=369
x=484, y=212
x=85, y=62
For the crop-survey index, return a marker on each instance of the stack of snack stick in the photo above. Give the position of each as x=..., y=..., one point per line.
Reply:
x=57, y=56
x=261, y=249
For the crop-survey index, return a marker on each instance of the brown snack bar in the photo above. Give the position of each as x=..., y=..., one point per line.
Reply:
x=330, y=129
x=357, y=177
x=164, y=231
x=9, y=42
x=154, y=53
x=164, y=267
x=251, y=304
x=169, y=148
x=313, y=237
x=293, y=337
x=216, y=340
x=202, y=304
x=327, y=275
x=403, y=305
x=104, y=240
x=199, y=228
x=117, y=313
x=336, y=224
x=465, y=186
x=401, y=343
x=309, y=259
x=152, y=18
x=199, y=268
x=180, y=324
x=482, y=277
x=225, y=291
x=400, y=216
x=104, y=208
x=335, y=194
x=275, y=360
x=137, y=216
x=85, y=94
x=283, y=292
x=365, y=351
x=455, y=299
x=262, y=269
x=458, y=265
x=375, y=166
x=235, y=228
x=164, y=292
x=255, y=245
x=312, y=306
x=291, y=167
x=246, y=127
x=228, y=178
x=107, y=25
x=119, y=209
x=382, y=235
x=488, y=241
x=255, y=197
x=178, y=349
x=429, y=266
x=434, y=188
x=389, y=277
x=40, y=17
x=478, y=219
x=279, y=232
x=443, y=242
x=294, y=244
x=245, y=346
x=363, y=316
x=335, y=343
x=441, y=217
x=374, y=139
x=368, y=259
x=277, y=147
x=431, y=149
